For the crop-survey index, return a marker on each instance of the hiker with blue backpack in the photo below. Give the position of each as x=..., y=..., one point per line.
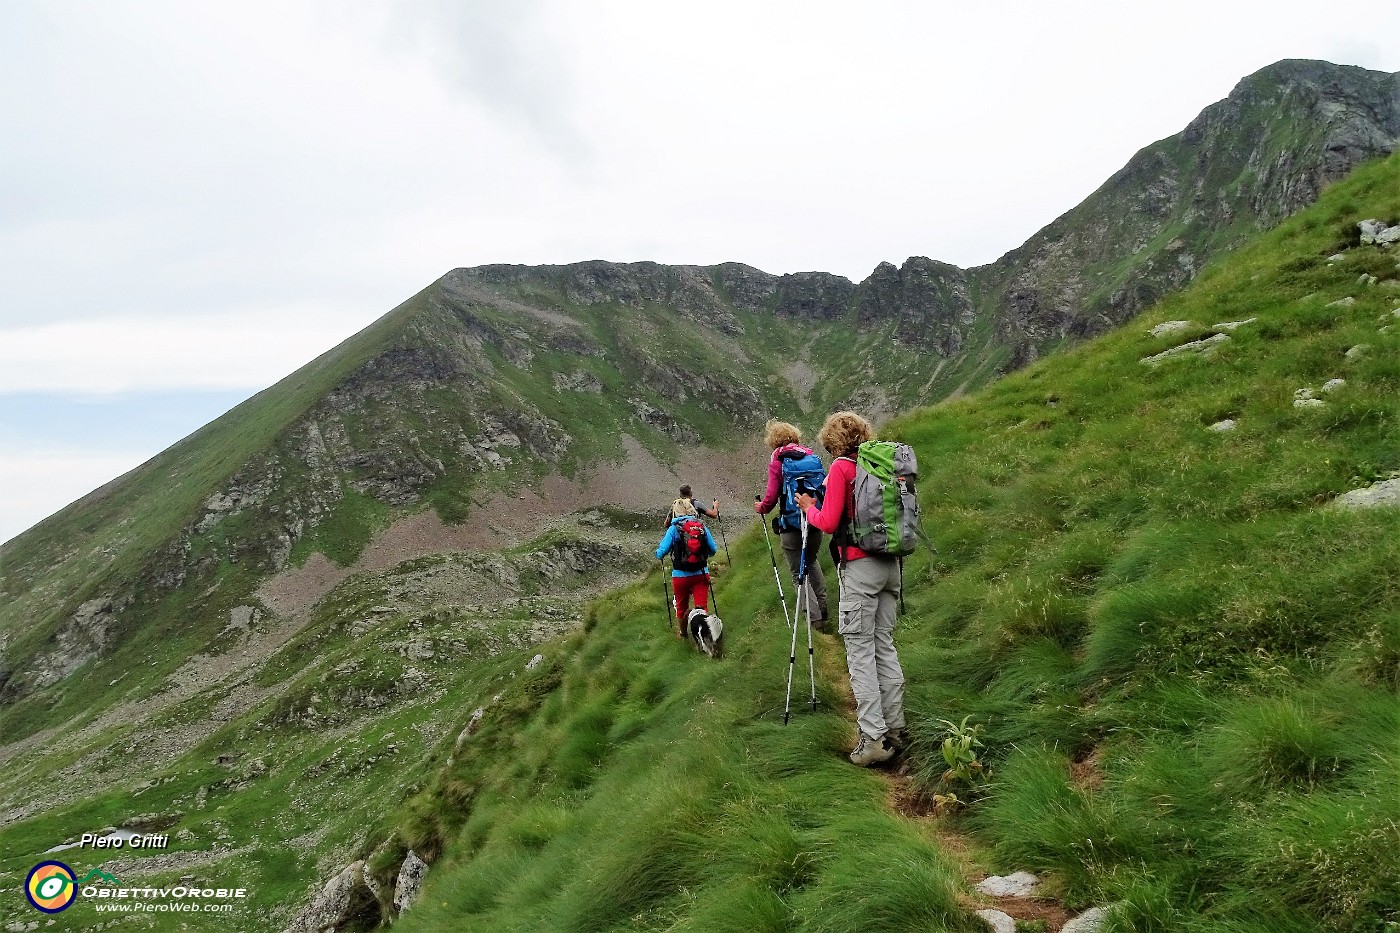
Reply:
x=871, y=510
x=690, y=546
x=790, y=467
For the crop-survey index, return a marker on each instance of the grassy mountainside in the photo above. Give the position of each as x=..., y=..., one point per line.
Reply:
x=1183, y=658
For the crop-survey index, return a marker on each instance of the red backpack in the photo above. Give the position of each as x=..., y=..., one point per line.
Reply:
x=692, y=547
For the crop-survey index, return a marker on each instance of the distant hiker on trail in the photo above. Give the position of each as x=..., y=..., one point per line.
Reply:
x=689, y=544
x=870, y=580
x=686, y=505
x=790, y=464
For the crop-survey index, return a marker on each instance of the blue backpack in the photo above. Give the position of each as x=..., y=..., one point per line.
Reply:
x=796, y=468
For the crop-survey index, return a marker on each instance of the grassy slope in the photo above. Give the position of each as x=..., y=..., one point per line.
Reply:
x=630, y=784
x=1173, y=605
x=1185, y=665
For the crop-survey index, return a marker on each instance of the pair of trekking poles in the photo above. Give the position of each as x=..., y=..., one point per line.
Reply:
x=804, y=598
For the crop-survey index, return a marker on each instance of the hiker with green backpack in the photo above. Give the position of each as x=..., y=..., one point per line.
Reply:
x=872, y=513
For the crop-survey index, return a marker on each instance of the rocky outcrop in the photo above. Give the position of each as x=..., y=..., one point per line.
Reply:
x=1378, y=232
x=1090, y=921
x=744, y=286
x=410, y=881
x=814, y=295
x=345, y=898
x=1203, y=347
x=998, y=921
x=680, y=379
x=928, y=301
x=82, y=638
x=1017, y=884
x=577, y=382
x=692, y=291
x=1166, y=328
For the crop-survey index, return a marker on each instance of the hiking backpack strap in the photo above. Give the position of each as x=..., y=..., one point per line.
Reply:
x=902, y=610
x=843, y=537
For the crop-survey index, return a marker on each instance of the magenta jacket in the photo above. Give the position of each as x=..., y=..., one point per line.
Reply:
x=840, y=480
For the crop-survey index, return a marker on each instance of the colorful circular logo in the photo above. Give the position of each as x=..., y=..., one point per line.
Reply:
x=50, y=887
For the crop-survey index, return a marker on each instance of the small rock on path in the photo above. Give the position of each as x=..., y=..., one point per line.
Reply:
x=1384, y=494
x=1087, y=922
x=998, y=921
x=1020, y=884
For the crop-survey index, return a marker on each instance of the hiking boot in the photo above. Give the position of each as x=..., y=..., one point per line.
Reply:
x=870, y=751
x=899, y=738
x=823, y=625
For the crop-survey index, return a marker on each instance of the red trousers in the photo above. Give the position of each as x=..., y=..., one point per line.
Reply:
x=697, y=586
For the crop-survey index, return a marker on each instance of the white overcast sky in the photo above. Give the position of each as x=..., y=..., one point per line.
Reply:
x=198, y=197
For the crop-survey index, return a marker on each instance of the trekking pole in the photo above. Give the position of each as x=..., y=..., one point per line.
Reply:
x=792, y=663
x=805, y=593
x=782, y=597
x=719, y=520
x=666, y=595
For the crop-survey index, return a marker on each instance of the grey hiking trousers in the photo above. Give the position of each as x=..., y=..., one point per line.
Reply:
x=869, y=593
x=816, y=580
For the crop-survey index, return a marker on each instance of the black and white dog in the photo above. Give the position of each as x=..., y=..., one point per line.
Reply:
x=706, y=631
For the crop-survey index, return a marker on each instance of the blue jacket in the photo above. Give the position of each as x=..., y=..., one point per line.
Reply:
x=668, y=541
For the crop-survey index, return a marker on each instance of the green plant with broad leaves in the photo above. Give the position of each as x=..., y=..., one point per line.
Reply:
x=959, y=749
x=959, y=746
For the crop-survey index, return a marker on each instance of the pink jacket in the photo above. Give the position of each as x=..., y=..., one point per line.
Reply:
x=840, y=480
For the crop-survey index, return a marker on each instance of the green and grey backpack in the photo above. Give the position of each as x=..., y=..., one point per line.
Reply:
x=884, y=512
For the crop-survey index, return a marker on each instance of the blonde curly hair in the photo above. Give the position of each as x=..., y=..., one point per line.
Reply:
x=777, y=433
x=843, y=432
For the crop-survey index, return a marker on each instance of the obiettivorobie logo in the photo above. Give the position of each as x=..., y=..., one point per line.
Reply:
x=51, y=886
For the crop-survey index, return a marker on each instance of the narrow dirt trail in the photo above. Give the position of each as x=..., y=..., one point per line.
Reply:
x=938, y=826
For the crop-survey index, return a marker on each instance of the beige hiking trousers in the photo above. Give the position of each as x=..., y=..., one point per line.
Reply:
x=869, y=595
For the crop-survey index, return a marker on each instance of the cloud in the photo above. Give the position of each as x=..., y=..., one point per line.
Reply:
x=1367, y=53
x=106, y=356
x=503, y=56
x=37, y=482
